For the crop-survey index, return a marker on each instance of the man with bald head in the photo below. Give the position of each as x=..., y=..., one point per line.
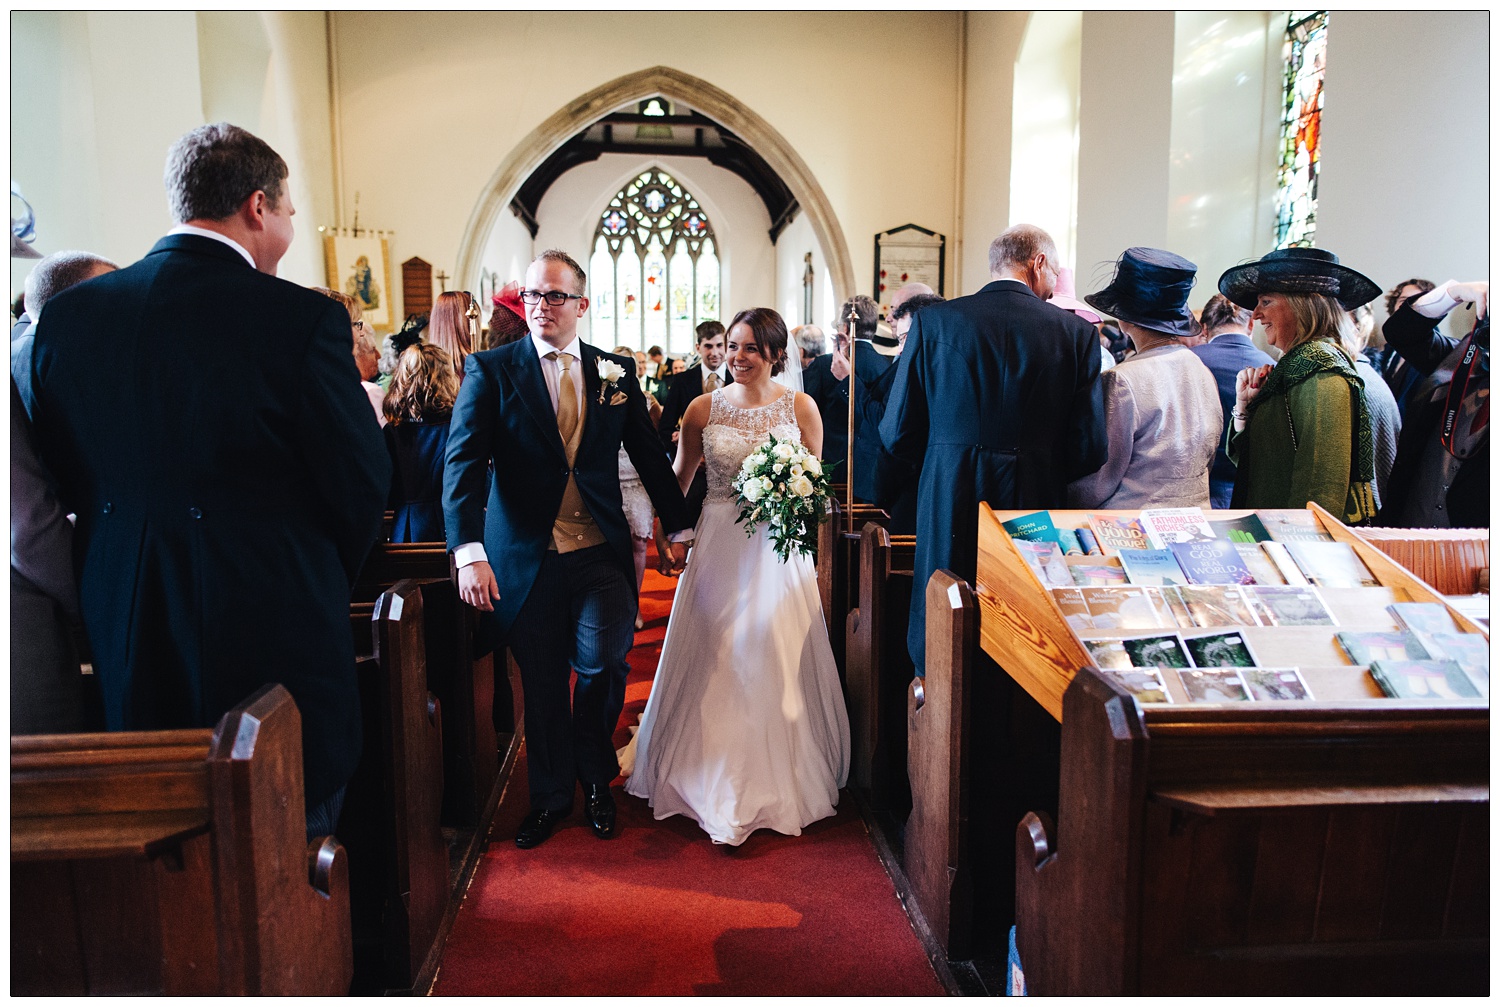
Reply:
x=996, y=399
x=48, y=278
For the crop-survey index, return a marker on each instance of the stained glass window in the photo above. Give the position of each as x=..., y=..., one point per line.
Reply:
x=654, y=273
x=1304, y=51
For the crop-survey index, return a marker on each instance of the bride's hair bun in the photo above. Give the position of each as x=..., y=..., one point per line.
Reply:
x=770, y=334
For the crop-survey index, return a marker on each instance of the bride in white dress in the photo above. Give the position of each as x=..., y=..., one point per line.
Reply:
x=745, y=728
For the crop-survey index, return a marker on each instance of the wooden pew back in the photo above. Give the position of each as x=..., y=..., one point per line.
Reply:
x=878, y=669
x=1258, y=851
x=838, y=563
x=390, y=824
x=174, y=862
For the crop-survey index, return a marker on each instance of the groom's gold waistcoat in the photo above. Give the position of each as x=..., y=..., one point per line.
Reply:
x=574, y=526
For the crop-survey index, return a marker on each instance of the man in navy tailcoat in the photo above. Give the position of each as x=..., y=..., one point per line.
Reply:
x=996, y=400
x=204, y=420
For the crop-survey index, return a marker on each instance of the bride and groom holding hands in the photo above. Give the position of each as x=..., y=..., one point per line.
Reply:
x=745, y=727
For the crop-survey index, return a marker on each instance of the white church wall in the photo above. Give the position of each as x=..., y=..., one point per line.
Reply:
x=1405, y=183
x=570, y=211
x=507, y=252
x=430, y=105
x=1045, y=132
x=1226, y=94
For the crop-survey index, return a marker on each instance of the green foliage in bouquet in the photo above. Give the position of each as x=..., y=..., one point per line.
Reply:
x=783, y=486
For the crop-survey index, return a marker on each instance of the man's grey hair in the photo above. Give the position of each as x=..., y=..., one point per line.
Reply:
x=810, y=340
x=1018, y=246
x=215, y=168
x=57, y=272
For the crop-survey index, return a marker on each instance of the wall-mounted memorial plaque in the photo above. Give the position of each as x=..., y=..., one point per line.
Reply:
x=907, y=254
x=416, y=286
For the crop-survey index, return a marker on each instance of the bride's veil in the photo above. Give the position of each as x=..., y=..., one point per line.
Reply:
x=791, y=374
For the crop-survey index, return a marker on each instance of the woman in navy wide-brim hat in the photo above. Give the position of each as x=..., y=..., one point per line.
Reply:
x=1301, y=430
x=1161, y=406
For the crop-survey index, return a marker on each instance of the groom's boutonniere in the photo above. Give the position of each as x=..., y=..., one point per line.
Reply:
x=610, y=374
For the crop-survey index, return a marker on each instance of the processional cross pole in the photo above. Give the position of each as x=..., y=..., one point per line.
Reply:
x=849, y=458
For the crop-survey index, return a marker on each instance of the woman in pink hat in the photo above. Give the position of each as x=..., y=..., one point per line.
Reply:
x=1063, y=296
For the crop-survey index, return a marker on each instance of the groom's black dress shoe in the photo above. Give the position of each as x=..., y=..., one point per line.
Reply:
x=599, y=805
x=538, y=825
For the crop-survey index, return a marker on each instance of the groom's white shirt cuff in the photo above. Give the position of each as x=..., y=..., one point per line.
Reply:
x=473, y=552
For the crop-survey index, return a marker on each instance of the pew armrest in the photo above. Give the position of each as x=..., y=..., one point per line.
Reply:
x=89, y=837
x=1033, y=840
x=1228, y=799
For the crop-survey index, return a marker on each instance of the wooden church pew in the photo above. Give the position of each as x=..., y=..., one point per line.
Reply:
x=878, y=669
x=838, y=563
x=1258, y=851
x=174, y=862
x=464, y=685
x=398, y=858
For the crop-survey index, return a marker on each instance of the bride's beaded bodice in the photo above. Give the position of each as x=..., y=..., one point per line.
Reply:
x=732, y=433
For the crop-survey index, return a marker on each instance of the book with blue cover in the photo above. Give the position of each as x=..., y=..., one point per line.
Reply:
x=1213, y=562
x=1152, y=567
x=1036, y=527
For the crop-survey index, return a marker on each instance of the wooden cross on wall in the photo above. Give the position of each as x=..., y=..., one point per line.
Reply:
x=442, y=278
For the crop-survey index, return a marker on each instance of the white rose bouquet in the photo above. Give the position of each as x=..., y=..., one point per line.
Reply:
x=782, y=484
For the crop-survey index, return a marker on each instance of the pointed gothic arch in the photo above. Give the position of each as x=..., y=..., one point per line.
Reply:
x=713, y=102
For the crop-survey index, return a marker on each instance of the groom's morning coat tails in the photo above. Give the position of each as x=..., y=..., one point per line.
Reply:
x=504, y=415
x=997, y=399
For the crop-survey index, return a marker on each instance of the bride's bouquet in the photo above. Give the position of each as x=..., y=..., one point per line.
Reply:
x=782, y=484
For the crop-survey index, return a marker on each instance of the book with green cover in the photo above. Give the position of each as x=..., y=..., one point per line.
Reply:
x=1165, y=651
x=1116, y=533
x=1035, y=527
x=1241, y=529
x=1367, y=648
x=1423, y=680
x=1293, y=526
x=1153, y=567
x=1220, y=650
x=1470, y=650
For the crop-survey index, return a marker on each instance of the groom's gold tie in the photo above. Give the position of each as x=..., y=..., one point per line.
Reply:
x=711, y=383
x=567, y=397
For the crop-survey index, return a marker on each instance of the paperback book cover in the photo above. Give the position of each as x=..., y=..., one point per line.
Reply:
x=1087, y=541
x=1212, y=562
x=1036, y=527
x=1423, y=617
x=1367, y=648
x=1153, y=567
x=1240, y=529
x=1261, y=568
x=1423, y=680
x=1293, y=526
x=1275, y=684
x=1290, y=606
x=1096, y=574
x=1218, y=606
x=1220, y=650
x=1331, y=564
x=1074, y=609
x=1114, y=534
x=1285, y=565
x=1470, y=650
x=1144, y=683
x=1172, y=607
x=1121, y=608
x=1157, y=652
x=1046, y=559
x=1068, y=540
x=1108, y=653
x=1165, y=525
x=1213, y=685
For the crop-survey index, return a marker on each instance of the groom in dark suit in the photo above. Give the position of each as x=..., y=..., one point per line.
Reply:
x=225, y=498
x=543, y=544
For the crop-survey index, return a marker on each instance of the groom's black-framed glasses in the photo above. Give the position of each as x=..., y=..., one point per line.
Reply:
x=556, y=298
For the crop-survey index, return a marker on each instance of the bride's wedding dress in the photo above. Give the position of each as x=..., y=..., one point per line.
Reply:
x=745, y=728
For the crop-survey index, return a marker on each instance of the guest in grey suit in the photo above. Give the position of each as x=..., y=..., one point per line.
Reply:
x=1227, y=352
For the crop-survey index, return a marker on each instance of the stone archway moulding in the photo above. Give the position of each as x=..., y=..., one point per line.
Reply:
x=713, y=102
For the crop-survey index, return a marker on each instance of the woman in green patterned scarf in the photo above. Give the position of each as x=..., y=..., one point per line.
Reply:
x=1301, y=429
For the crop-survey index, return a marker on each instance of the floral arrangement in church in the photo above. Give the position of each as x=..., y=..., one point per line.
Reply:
x=782, y=485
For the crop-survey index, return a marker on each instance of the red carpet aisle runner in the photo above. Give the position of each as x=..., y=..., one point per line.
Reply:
x=659, y=910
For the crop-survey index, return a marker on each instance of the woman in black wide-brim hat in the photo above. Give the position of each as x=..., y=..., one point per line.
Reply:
x=1161, y=406
x=1300, y=430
